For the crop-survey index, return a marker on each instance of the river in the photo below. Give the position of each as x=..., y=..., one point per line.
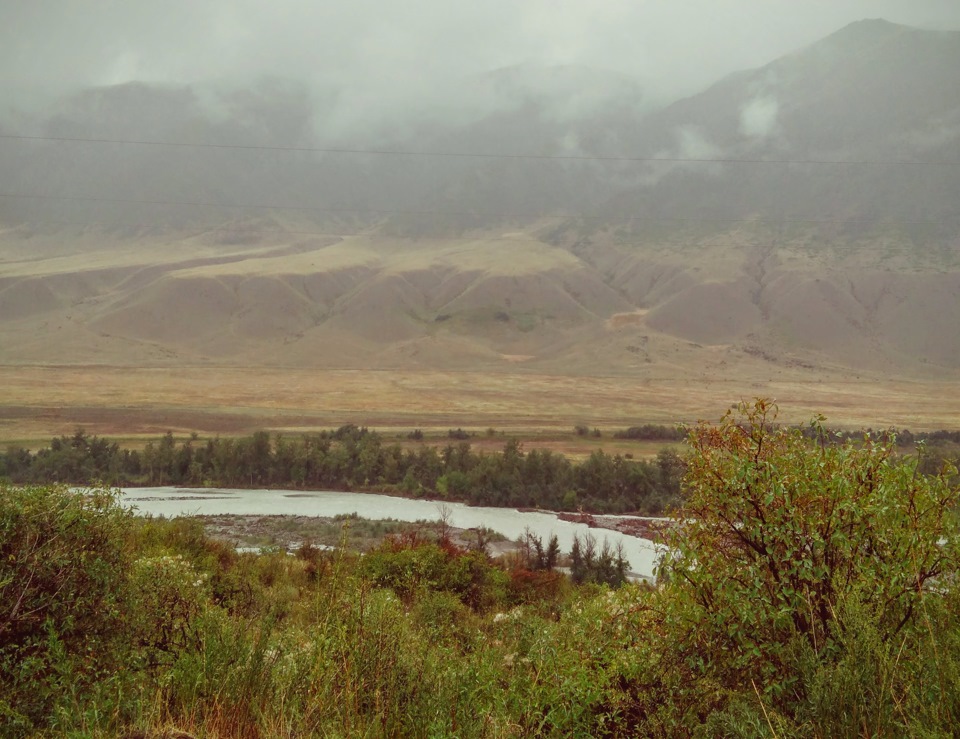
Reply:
x=172, y=502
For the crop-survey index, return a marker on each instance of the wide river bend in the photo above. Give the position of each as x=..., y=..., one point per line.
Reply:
x=172, y=502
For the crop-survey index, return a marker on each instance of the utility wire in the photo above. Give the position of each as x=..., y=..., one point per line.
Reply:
x=438, y=213
x=475, y=155
x=199, y=230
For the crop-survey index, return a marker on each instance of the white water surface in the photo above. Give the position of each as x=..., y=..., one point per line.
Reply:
x=172, y=502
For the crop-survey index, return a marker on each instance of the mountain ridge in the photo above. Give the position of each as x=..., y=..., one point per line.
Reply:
x=625, y=266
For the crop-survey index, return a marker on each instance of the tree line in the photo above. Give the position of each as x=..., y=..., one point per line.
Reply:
x=354, y=458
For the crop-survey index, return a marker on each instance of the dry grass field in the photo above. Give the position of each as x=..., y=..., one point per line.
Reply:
x=39, y=401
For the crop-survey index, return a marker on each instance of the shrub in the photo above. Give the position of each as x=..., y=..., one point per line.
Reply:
x=411, y=566
x=168, y=594
x=63, y=561
x=777, y=536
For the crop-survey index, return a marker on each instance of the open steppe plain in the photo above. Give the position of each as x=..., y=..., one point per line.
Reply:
x=40, y=401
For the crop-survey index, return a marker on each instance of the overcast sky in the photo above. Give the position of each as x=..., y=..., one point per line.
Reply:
x=383, y=50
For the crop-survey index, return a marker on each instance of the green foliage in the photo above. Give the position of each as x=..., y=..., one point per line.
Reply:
x=63, y=559
x=169, y=595
x=410, y=566
x=605, y=565
x=776, y=538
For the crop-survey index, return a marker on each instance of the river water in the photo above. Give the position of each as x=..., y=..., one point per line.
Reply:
x=171, y=502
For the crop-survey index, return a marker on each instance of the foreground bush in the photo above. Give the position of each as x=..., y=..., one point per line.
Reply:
x=63, y=564
x=799, y=574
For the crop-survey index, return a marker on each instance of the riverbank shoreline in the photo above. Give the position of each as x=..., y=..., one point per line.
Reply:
x=641, y=527
x=626, y=523
x=642, y=554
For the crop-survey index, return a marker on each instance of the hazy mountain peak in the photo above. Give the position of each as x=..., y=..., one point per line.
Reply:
x=864, y=36
x=871, y=26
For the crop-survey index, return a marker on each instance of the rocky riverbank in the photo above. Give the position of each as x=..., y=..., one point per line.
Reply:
x=645, y=528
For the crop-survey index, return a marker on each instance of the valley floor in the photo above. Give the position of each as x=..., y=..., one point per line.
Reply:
x=40, y=401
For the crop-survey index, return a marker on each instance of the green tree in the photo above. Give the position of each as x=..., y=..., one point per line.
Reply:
x=777, y=534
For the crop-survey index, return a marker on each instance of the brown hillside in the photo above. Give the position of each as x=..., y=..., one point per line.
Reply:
x=494, y=302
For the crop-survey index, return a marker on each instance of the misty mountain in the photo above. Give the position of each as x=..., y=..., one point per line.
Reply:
x=537, y=110
x=872, y=92
x=516, y=111
x=793, y=218
x=868, y=89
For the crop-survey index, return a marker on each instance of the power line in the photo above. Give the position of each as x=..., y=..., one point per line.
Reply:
x=203, y=229
x=466, y=214
x=476, y=155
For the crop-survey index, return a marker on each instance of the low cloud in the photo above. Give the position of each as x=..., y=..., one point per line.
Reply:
x=691, y=144
x=393, y=59
x=758, y=117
